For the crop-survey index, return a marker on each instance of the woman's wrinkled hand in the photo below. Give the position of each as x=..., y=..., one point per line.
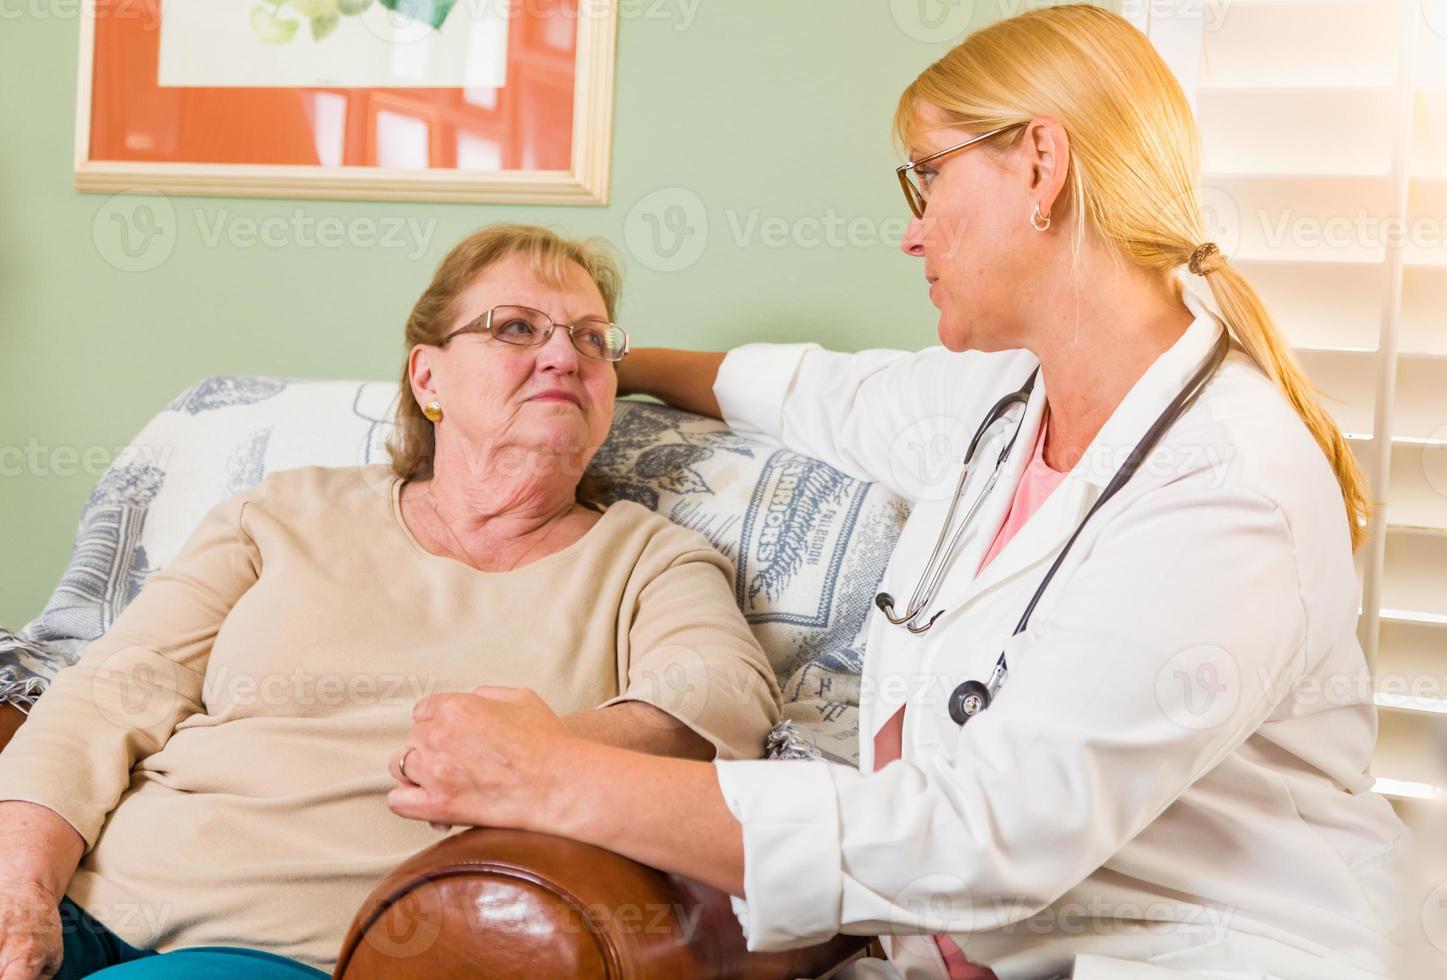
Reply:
x=30, y=943
x=492, y=758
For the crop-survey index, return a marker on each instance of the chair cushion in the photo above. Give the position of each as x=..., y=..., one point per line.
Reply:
x=809, y=544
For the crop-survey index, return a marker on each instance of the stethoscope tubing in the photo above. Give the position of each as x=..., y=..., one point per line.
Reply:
x=1178, y=406
x=972, y=697
x=932, y=578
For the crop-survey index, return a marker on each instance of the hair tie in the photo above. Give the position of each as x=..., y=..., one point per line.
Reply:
x=1201, y=254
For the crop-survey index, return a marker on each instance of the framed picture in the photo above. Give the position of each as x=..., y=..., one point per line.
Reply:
x=499, y=101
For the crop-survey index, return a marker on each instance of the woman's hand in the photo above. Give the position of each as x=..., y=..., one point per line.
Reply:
x=30, y=943
x=493, y=758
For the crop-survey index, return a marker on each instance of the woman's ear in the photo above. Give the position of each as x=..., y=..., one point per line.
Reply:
x=1047, y=149
x=419, y=372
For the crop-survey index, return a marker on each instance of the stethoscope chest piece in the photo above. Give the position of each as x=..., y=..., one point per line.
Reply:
x=973, y=697
x=968, y=700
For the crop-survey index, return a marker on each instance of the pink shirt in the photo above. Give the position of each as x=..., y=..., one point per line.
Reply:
x=1036, y=484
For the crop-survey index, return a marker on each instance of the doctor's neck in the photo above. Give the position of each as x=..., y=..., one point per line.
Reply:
x=1095, y=338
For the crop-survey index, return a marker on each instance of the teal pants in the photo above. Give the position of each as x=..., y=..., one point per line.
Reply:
x=92, y=950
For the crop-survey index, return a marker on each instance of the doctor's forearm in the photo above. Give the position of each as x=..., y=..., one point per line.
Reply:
x=666, y=813
x=682, y=378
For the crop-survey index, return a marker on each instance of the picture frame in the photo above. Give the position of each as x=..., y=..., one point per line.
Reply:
x=547, y=130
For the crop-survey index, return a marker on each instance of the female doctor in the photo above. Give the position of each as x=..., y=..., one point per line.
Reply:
x=1163, y=768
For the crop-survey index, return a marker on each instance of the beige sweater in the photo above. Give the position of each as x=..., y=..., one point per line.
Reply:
x=223, y=748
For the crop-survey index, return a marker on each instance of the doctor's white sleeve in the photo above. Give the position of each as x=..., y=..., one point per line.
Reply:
x=867, y=414
x=1086, y=745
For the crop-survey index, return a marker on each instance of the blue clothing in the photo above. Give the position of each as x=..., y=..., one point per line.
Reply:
x=92, y=950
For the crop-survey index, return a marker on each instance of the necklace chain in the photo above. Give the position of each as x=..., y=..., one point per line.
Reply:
x=472, y=559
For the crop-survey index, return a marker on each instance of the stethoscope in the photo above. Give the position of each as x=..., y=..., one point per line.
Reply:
x=972, y=697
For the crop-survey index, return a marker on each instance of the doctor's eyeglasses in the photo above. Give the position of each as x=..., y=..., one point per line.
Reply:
x=523, y=326
x=916, y=176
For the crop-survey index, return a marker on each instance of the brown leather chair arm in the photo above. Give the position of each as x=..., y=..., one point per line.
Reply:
x=507, y=903
x=10, y=719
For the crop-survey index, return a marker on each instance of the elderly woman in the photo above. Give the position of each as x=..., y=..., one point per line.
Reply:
x=213, y=772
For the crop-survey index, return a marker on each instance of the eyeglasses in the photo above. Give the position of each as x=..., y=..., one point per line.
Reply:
x=523, y=326
x=917, y=194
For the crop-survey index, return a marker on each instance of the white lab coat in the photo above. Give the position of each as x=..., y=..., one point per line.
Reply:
x=1174, y=771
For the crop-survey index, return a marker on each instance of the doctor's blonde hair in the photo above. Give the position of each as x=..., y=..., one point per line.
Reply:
x=1133, y=173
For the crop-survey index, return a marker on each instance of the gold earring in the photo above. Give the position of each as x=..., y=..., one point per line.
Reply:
x=433, y=411
x=1038, y=221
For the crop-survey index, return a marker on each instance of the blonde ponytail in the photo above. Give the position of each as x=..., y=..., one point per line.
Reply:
x=1133, y=171
x=1254, y=329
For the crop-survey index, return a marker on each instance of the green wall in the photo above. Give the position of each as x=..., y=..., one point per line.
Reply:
x=768, y=119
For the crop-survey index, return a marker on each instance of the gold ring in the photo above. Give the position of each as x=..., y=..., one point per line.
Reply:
x=402, y=765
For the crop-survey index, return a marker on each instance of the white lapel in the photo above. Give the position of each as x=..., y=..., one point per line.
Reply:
x=894, y=655
x=1051, y=526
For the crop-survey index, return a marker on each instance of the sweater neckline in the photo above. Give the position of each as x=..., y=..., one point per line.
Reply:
x=395, y=498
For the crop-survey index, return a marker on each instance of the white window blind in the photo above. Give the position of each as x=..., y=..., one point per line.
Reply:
x=1324, y=154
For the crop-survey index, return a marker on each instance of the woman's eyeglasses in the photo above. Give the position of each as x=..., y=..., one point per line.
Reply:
x=915, y=177
x=523, y=326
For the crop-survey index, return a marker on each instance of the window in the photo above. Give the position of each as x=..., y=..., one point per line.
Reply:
x=1324, y=155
